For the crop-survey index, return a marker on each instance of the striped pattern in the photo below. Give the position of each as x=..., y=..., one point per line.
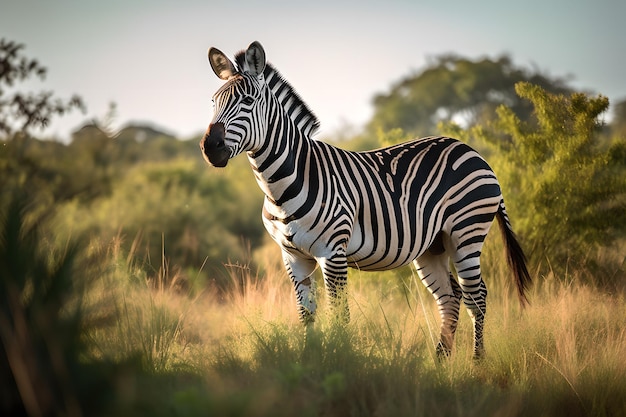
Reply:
x=427, y=201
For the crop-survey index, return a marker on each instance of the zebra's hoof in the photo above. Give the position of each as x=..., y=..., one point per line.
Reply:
x=307, y=318
x=479, y=355
x=443, y=352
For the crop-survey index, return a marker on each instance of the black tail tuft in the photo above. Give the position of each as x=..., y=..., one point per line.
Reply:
x=514, y=255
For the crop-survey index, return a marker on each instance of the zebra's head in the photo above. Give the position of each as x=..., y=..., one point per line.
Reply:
x=236, y=126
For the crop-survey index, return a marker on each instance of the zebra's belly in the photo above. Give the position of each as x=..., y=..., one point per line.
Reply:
x=381, y=254
x=382, y=265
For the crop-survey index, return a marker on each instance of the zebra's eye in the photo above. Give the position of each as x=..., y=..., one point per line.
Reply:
x=248, y=100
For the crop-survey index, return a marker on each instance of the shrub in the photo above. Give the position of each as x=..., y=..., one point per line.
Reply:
x=563, y=182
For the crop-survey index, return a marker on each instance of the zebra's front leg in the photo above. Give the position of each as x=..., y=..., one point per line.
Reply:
x=300, y=270
x=335, y=270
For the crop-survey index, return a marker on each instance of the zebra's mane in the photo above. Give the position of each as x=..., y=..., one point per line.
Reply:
x=295, y=107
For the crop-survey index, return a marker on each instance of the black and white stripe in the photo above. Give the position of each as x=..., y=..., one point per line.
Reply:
x=427, y=201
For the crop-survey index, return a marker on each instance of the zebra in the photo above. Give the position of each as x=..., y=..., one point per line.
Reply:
x=429, y=201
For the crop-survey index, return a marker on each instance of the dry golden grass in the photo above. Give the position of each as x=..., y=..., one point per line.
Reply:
x=245, y=353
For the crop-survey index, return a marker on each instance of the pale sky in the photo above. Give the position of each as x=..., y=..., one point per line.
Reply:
x=150, y=56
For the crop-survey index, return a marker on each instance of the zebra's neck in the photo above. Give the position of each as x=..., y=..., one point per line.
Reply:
x=279, y=164
x=281, y=161
x=303, y=118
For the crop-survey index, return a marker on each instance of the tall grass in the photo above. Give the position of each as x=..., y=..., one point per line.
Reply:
x=148, y=312
x=245, y=353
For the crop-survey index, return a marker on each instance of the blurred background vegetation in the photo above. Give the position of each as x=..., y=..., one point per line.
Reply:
x=141, y=203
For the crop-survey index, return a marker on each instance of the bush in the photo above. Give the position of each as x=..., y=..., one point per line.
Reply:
x=563, y=182
x=173, y=210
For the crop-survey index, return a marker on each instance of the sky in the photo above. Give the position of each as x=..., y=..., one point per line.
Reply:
x=150, y=56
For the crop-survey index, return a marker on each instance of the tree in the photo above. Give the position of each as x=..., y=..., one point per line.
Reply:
x=21, y=112
x=565, y=186
x=24, y=163
x=453, y=86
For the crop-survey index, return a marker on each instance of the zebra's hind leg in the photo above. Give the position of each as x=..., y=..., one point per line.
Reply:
x=474, y=296
x=434, y=271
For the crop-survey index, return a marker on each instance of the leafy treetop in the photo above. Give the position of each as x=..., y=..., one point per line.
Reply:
x=452, y=87
x=22, y=112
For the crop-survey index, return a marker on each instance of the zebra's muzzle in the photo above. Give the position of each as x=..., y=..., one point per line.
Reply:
x=213, y=147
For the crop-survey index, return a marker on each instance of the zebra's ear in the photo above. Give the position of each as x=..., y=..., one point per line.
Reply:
x=255, y=59
x=222, y=66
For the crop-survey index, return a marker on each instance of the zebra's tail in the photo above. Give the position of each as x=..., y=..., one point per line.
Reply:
x=514, y=255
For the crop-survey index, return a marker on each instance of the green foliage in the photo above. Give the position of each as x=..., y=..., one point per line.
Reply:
x=451, y=87
x=176, y=210
x=564, y=184
x=150, y=189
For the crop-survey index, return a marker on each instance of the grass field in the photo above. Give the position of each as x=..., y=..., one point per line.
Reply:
x=245, y=354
